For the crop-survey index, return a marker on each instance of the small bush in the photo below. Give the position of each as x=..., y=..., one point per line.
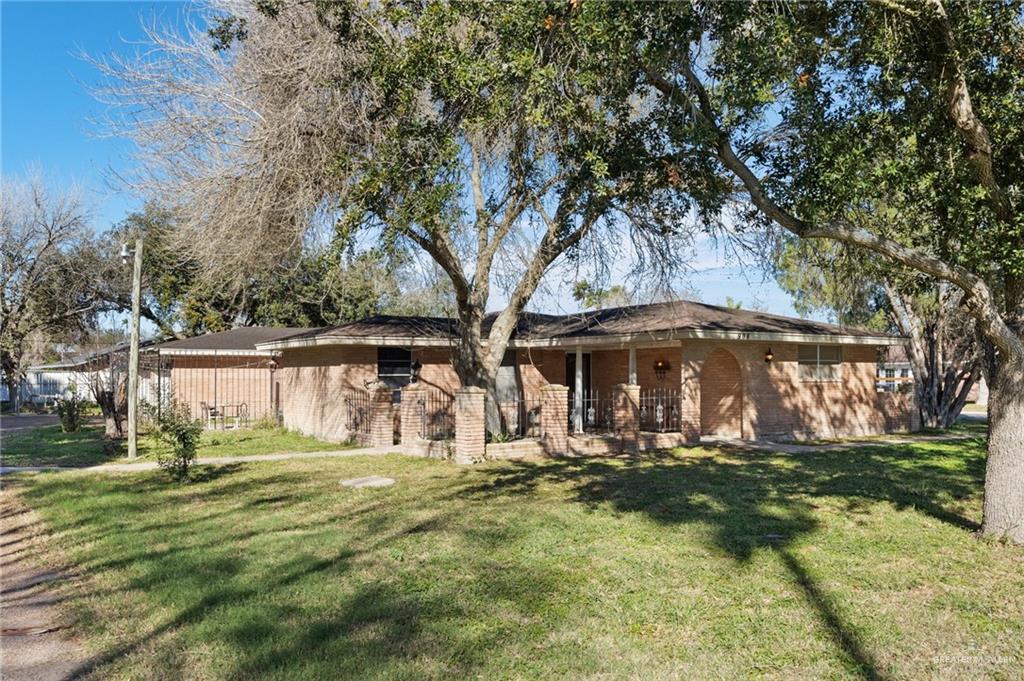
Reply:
x=176, y=427
x=69, y=410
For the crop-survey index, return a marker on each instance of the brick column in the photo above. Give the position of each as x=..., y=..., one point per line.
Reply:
x=382, y=417
x=470, y=433
x=911, y=410
x=554, y=419
x=411, y=418
x=626, y=413
x=691, y=365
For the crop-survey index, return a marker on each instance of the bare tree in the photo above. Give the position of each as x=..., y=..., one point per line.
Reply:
x=46, y=284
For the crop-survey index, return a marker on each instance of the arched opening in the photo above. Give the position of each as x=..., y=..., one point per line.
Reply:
x=721, y=396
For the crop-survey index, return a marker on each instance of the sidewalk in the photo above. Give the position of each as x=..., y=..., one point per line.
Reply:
x=34, y=641
x=204, y=461
x=796, y=448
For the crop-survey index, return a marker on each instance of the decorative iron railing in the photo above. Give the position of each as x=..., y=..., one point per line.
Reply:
x=437, y=415
x=516, y=418
x=357, y=413
x=660, y=410
x=597, y=410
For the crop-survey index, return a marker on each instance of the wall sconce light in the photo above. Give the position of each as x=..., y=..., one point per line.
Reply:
x=414, y=371
x=661, y=367
x=769, y=356
x=273, y=365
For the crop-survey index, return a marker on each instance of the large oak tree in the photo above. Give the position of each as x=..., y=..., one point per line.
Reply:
x=822, y=111
x=458, y=130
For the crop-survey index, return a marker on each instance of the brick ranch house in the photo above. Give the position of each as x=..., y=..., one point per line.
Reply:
x=632, y=377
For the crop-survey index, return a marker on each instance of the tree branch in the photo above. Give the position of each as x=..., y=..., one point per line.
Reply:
x=978, y=297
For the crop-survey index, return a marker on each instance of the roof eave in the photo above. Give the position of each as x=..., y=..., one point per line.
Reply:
x=197, y=352
x=610, y=340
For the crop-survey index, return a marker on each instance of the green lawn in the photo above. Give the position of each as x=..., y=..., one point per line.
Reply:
x=697, y=564
x=50, y=446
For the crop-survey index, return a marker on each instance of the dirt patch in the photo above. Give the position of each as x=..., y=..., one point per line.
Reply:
x=34, y=636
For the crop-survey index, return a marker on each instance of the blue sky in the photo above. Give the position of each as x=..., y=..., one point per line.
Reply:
x=46, y=113
x=45, y=100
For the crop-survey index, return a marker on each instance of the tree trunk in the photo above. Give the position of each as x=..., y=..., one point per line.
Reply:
x=1004, y=472
x=10, y=364
x=475, y=363
x=12, y=391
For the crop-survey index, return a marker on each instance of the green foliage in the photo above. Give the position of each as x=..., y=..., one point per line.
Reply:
x=319, y=286
x=176, y=427
x=503, y=81
x=844, y=283
x=226, y=30
x=593, y=297
x=69, y=410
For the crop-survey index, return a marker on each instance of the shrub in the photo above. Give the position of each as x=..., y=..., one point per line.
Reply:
x=176, y=427
x=69, y=410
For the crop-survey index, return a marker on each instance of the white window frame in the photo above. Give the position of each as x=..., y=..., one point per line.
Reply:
x=819, y=363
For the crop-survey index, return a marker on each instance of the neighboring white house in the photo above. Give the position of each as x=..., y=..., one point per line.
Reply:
x=85, y=373
x=895, y=372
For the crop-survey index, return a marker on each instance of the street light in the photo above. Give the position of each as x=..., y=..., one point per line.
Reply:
x=133, y=357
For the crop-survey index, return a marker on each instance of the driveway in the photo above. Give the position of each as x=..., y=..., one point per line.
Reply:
x=10, y=423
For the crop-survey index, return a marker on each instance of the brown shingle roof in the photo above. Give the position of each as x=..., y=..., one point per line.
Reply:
x=391, y=326
x=657, y=318
x=686, y=315
x=244, y=338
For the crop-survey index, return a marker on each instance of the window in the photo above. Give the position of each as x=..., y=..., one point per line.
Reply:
x=819, y=362
x=394, y=366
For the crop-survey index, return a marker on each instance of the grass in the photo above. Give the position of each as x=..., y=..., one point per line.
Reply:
x=49, y=446
x=694, y=564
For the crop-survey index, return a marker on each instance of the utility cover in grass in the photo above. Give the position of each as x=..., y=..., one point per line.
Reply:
x=369, y=481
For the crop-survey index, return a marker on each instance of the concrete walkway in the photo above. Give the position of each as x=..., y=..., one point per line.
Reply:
x=203, y=461
x=34, y=643
x=795, y=448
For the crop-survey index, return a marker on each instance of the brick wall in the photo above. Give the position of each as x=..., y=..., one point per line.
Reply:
x=776, y=403
x=438, y=370
x=469, y=425
x=538, y=368
x=721, y=395
x=312, y=383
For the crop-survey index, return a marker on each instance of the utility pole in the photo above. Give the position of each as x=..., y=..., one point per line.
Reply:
x=133, y=357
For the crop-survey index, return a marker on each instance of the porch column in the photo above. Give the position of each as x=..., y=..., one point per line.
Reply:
x=577, y=407
x=632, y=366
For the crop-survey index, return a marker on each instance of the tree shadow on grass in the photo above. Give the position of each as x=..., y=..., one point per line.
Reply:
x=381, y=625
x=755, y=501
x=312, y=614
